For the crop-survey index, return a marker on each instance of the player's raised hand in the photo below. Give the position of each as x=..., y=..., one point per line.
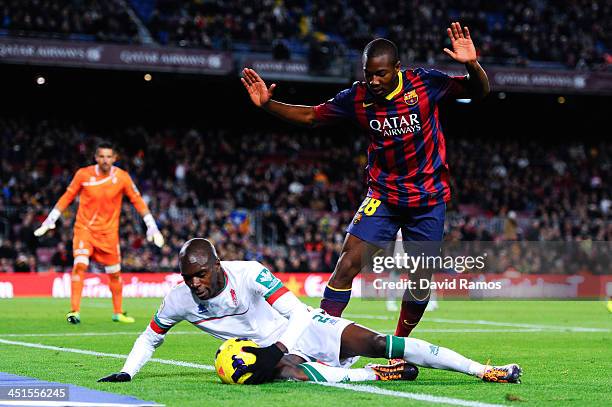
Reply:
x=44, y=228
x=259, y=92
x=155, y=236
x=116, y=377
x=48, y=223
x=463, y=48
x=153, y=233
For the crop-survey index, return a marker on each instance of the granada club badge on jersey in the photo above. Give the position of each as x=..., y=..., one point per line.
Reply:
x=411, y=98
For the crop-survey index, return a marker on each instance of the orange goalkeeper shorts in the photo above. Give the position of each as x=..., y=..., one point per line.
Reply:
x=101, y=247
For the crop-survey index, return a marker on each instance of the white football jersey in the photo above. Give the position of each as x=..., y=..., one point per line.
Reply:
x=242, y=309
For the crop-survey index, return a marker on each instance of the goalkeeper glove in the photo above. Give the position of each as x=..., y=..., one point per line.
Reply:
x=265, y=364
x=48, y=223
x=116, y=377
x=153, y=233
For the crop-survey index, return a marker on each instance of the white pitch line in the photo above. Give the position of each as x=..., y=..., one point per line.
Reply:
x=110, y=355
x=414, y=396
x=517, y=325
x=474, y=330
x=358, y=388
x=47, y=403
x=88, y=334
x=555, y=328
x=52, y=334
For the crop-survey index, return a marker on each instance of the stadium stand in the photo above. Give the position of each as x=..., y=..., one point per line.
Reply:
x=90, y=20
x=551, y=34
x=289, y=199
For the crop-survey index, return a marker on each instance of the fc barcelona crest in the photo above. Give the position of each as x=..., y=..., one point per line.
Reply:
x=411, y=98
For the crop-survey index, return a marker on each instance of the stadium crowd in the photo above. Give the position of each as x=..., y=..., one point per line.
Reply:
x=99, y=20
x=573, y=33
x=285, y=198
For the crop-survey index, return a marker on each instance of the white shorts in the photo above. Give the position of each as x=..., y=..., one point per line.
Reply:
x=321, y=341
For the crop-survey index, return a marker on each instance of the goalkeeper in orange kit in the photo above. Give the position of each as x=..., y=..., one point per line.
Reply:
x=96, y=230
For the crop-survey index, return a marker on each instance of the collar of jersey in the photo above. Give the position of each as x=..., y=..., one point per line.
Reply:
x=97, y=170
x=224, y=285
x=398, y=89
x=370, y=98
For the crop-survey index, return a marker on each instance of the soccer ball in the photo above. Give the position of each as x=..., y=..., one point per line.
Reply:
x=231, y=361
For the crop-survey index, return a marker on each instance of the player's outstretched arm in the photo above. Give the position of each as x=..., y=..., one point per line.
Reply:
x=65, y=200
x=261, y=96
x=141, y=352
x=464, y=51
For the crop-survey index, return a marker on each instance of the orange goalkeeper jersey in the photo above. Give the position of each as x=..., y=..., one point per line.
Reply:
x=100, y=198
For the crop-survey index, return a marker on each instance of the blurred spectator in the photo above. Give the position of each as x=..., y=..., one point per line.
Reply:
x=285, y=198
x=100, y=20
x=62, y=259
x=569, y=33
x=564, y=33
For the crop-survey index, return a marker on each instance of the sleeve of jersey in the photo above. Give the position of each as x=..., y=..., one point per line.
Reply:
x=335, y=109
x=142, y=351
x=160, y=325
x=71, y=192
x=284, y=301
x=152, y=337
x=289, y=306
x=134, y=196
x=442, y=85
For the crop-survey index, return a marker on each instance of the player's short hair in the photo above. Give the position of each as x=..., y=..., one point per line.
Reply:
x=104, y=144
x=381, y=46
x=198, y=250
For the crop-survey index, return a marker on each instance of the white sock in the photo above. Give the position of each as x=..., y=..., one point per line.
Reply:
x=423, y=353
x=318, y=372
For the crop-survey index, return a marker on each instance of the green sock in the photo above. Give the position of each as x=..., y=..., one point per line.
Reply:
x=395, y=347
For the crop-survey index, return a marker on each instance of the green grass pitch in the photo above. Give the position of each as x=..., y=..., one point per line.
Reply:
x=561, y=366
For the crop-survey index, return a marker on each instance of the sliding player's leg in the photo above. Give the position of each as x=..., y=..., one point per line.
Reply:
x=293, y=367
x=316, y=356
x=358, y=340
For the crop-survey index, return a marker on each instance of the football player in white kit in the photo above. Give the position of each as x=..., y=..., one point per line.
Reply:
x=229, y=299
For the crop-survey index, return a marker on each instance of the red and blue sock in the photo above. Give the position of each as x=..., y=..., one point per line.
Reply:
x=335, y=300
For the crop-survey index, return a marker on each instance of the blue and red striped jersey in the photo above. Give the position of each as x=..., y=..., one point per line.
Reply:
x=407, y=153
